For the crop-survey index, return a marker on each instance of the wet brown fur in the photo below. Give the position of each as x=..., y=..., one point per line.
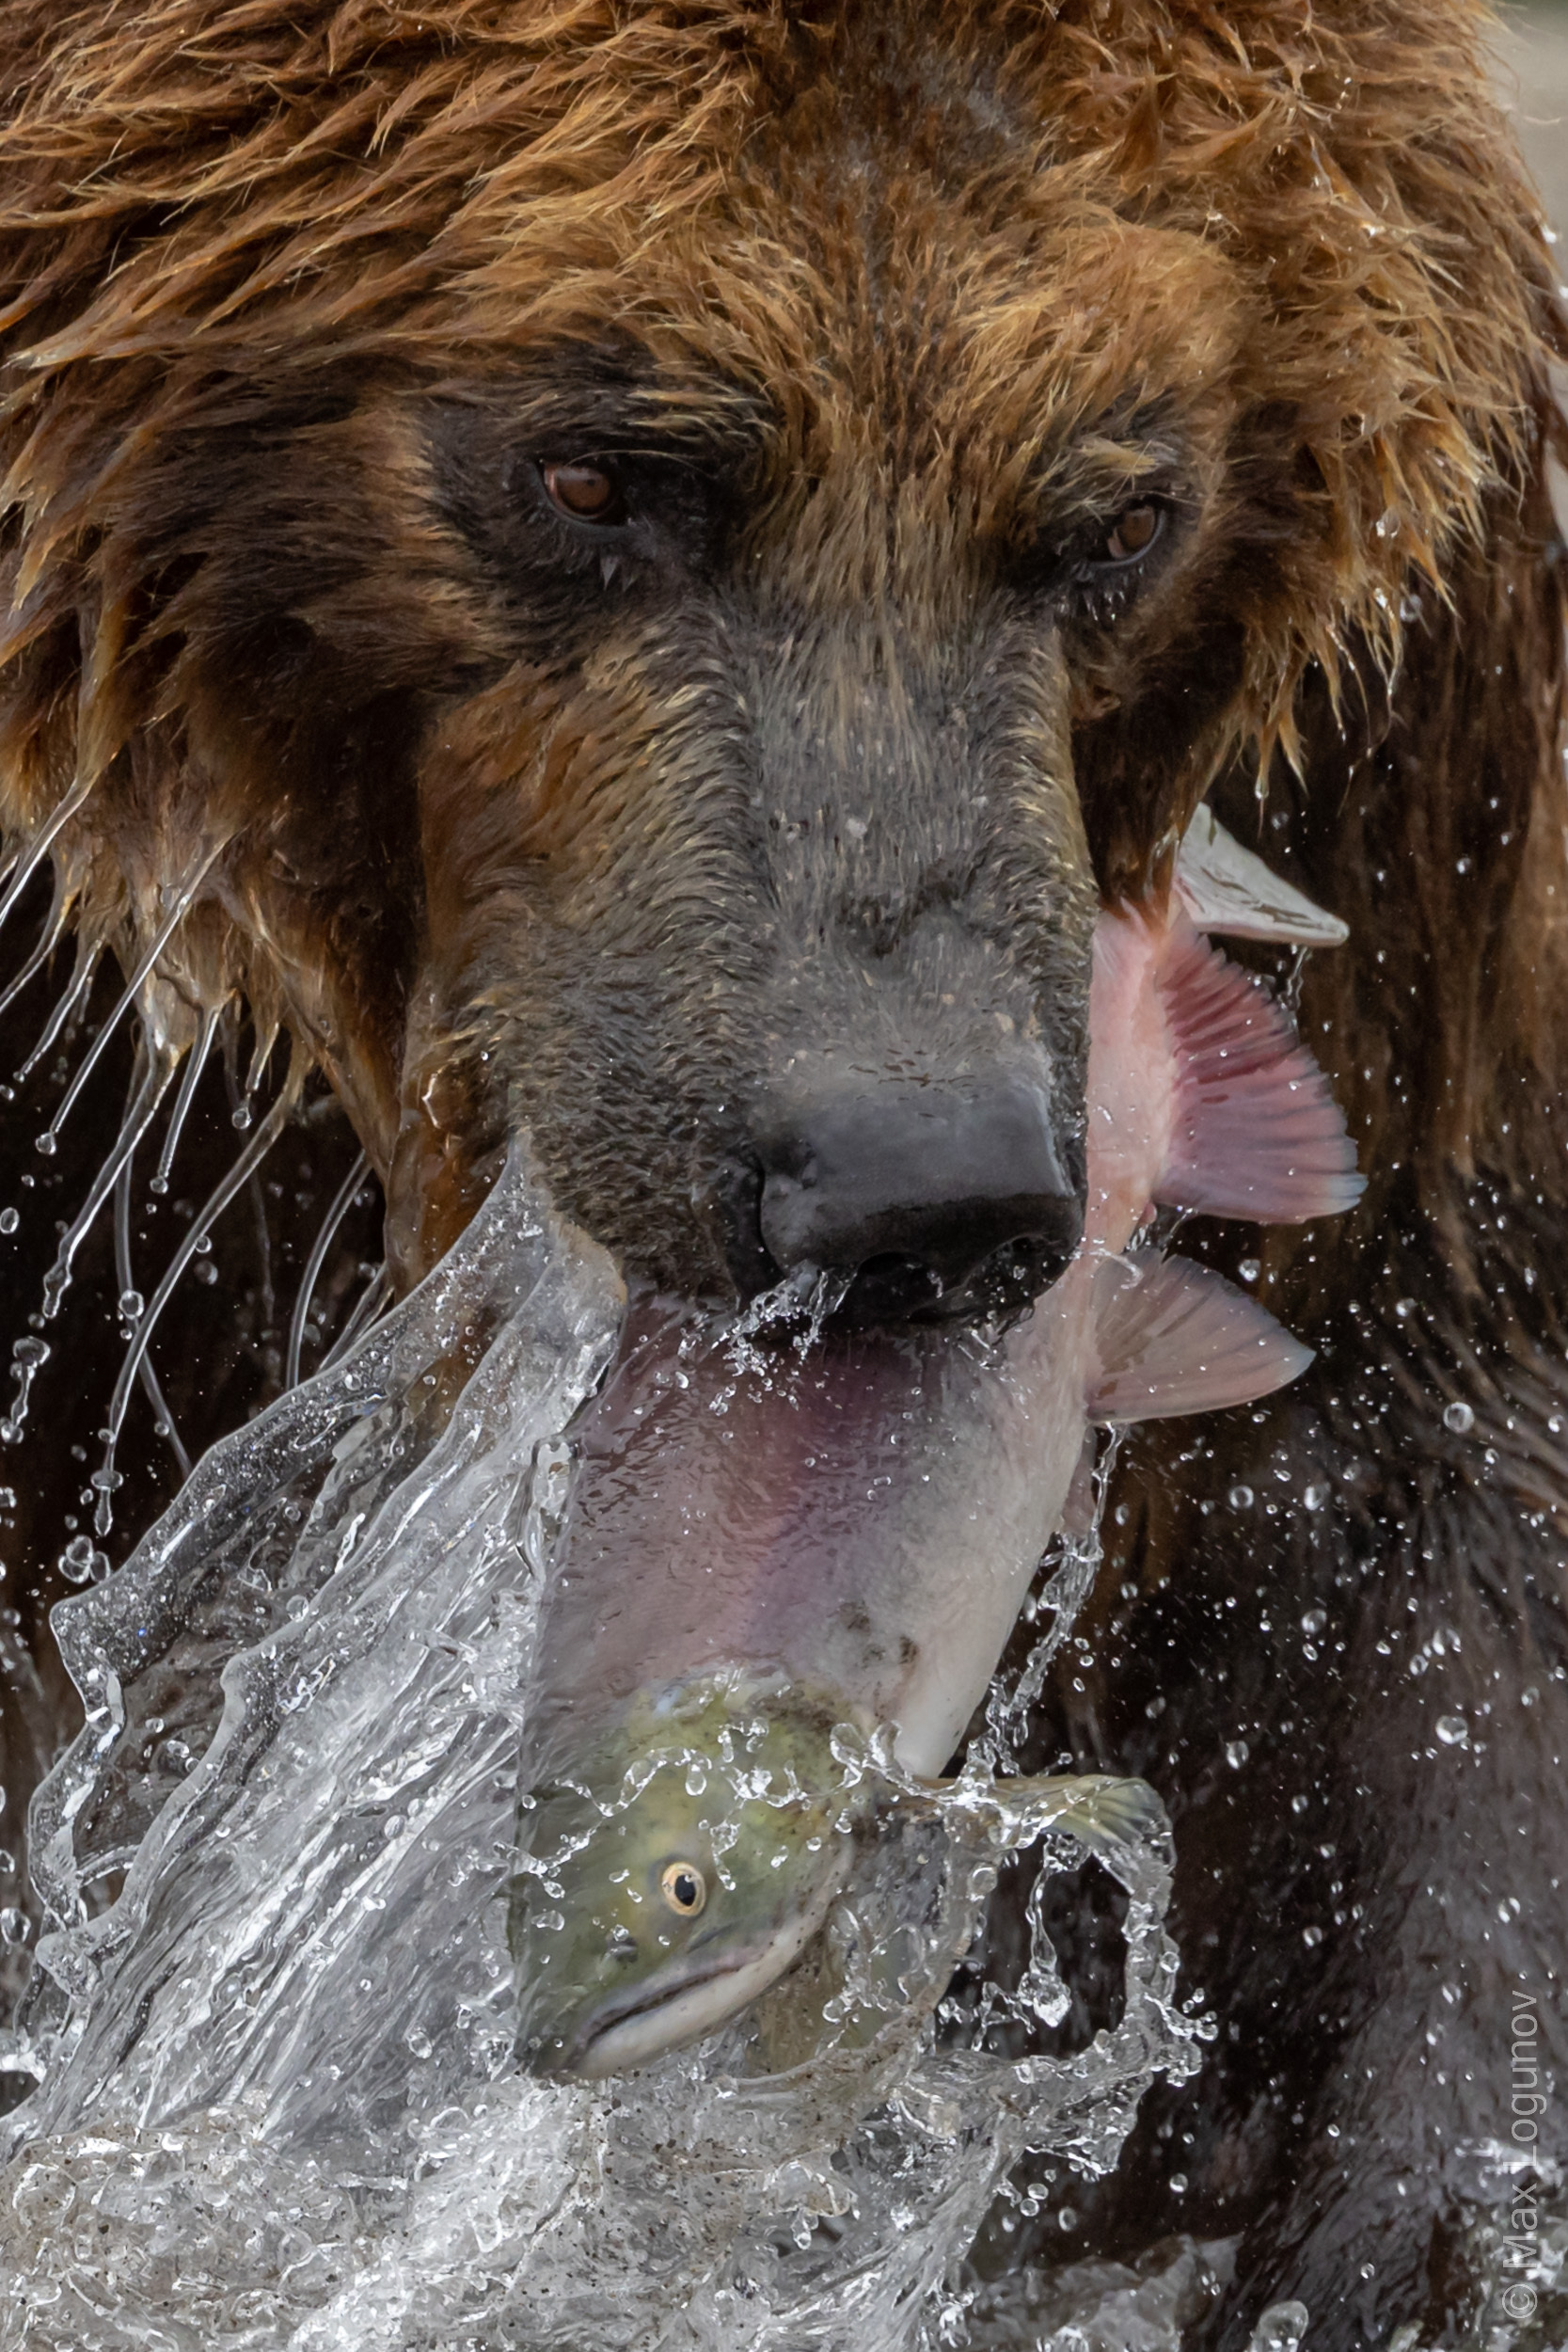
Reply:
x=938, y=284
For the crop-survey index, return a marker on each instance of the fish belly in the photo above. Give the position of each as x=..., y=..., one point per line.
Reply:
x=864, y=1521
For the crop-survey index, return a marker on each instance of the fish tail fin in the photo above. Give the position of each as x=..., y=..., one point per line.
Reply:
x=1173, y=1338
x=1257, y=1132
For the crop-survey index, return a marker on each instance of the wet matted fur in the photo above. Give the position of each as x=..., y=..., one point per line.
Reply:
x=884, y=311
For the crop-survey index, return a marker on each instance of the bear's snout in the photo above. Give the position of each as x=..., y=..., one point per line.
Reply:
x=951, y=1195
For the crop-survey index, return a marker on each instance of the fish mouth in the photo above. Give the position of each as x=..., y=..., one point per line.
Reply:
x=682, y=2004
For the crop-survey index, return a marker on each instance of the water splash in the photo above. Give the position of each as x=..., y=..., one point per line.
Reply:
x=278, y=2064
x=375, y=1295
x=28, y=1357
x=317, y=1259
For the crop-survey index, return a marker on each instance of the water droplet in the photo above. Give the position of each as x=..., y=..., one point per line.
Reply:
x=46, y=1144
x=1299, y=1804
x=1240, y=1498
x=1249, y=1269
x=1314, y=1496
x=1179, y=2183
x=78, y=1560
x=418, y=2042
x=1067, y=2219
x=158, y=1185
x=10, y=1220
x=131, y=1306
x=1459, y=1418
x=13, y=1927
x=1312, y=1937
x=1454, y=1731
x=1236, y=1753
x=33, y=1351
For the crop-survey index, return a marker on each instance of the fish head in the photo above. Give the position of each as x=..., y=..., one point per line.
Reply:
x=664, y=1886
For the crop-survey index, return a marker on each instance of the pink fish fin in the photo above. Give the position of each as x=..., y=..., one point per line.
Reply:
x=1172, y=1337
x=1256, y=1132
x=1226, y=888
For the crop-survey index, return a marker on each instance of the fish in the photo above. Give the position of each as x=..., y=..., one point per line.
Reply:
x=657, y=1910
x=766, y=1558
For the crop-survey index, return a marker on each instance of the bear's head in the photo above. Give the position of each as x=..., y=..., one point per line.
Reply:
x=637, y=574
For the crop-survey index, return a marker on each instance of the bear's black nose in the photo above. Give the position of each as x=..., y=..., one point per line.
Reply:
x=916, y=1187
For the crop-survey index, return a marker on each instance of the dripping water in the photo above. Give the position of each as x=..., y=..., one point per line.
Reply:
x=50, y=936
x=196, y=1062
x=133, y=1307
x=32, y=857
x=238, y=1175
x=1290, y=993
x=1073, y=1565
x=153, y=1076
x=89, y=956
x=184, y=898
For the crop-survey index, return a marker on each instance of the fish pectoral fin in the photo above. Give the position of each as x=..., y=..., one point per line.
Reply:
x=1255, y=1129
x=1090, y=1807
x=1226, y=888
x=1172, y=1337
x=1093, y=1805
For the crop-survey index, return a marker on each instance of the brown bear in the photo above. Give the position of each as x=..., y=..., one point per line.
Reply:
x=636, y=569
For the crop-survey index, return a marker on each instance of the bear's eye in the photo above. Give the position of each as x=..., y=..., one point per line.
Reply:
x=684, y=1888
x=1134, y=532
x=588, y=492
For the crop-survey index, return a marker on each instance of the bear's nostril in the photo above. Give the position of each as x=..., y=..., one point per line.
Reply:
x=918, y=1190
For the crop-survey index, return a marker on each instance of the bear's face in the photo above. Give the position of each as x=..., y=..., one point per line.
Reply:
x=713, y=691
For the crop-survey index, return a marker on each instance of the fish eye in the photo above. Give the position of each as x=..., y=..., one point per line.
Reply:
x=589, y=493
x=684, y=1888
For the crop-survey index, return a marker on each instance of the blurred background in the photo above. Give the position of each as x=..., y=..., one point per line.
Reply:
x=1534, y=76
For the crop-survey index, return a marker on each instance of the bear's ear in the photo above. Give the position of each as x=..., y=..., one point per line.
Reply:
x=1403, y=318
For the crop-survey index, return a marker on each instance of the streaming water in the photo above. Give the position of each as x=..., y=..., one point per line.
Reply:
x=272, y=2017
